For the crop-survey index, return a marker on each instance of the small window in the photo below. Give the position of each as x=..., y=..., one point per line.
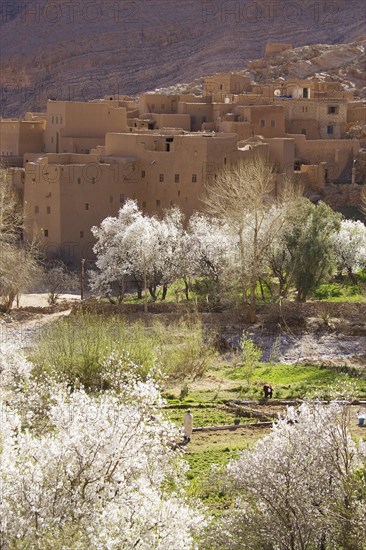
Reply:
x=332, y=110
x=81, y=234
x=48, y=210
x=305, y=93
x=45, y=232
x=161, y=178
x=329, y=129
x=263, y=123
x=194, y=178
x=36, y=209
x=273, y=123
x=143, y=204
x=225, y=160
x=176, y=178
x=79, y=181
x=86, y=206
x=121, y=199
x=143, y=173
x=204, y=119
x=178, y=193
x=93, y=180
x=60, y=119
x=157, y=202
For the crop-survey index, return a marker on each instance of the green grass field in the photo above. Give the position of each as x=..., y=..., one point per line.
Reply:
x=207, y=400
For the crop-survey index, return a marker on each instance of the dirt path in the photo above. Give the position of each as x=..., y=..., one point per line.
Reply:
x=23, y=334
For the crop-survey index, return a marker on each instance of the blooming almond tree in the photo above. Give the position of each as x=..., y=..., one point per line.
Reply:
x=350, y=247
x=297, y=489
x=212, y=248
x=98, y=476
x=112, y=254
x=144, y=248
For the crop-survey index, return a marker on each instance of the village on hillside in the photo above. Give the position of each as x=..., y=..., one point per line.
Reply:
x=78, y=162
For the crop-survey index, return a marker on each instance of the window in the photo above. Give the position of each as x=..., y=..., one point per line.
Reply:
x=45, y=232
x=273, y=123
x=86, y=206
x=157, y=202
x=204, y=119
x=81, y=234
x=60, y=119
x=178, y=193
x=93, y=180
x=225, y=160
x=48, y=210
x=329, y=129
x=143, y=173
x=161, y=178
x=36, y=209
x=121, y=198
x=194, y=178
x=305, y=93
x=176, y=178
x=332, y=110
x=143, y=204
x=263, y=123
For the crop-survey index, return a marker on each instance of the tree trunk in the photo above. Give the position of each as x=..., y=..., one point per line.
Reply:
x=351, y=275
x=165, y=290
x=152, y=290
x=262, y=290
x=186, y=289
x=145, y=294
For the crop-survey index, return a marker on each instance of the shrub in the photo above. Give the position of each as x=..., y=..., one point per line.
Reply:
x=75, y=348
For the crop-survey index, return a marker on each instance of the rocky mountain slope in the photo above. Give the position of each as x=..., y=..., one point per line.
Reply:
x=81, y=50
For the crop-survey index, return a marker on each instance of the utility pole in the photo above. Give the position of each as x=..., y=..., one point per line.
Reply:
x=82, y=273
x=354, y=172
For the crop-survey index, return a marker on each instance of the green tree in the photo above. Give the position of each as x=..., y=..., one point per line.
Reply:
x=249, y=356
x=310, y=245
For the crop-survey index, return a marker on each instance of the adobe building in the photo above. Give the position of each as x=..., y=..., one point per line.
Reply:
x=220, y=85
x=275, y=47
x=18, y=137
x=66, y=194
x=83, y=160
x=77, y=127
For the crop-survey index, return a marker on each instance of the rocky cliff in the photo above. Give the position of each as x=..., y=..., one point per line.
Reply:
x=80, y=50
